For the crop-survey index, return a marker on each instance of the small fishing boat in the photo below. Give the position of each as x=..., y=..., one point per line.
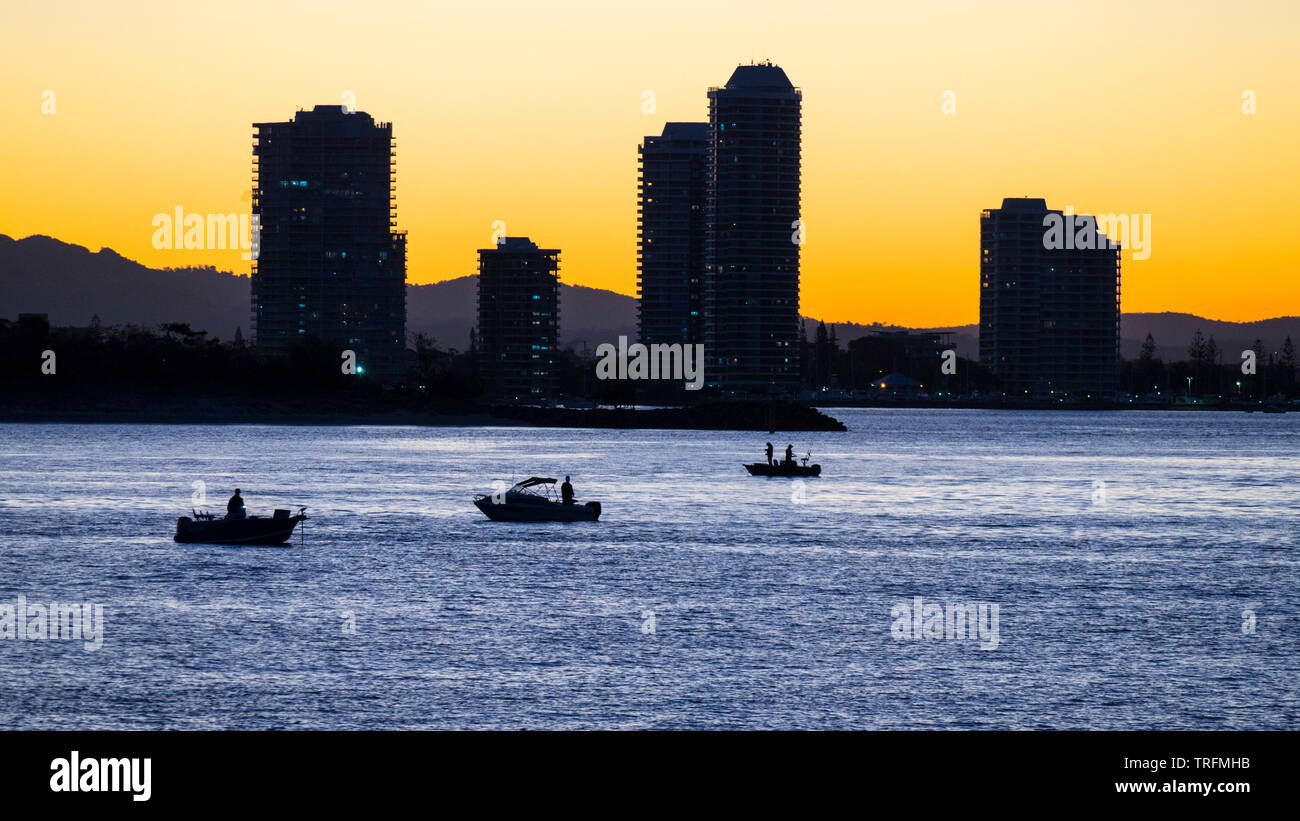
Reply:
x=534, y=500
x=205, y=528
x=783, y=469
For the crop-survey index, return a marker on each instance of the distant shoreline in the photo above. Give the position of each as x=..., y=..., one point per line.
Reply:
x=343, y=411
x=717, y=416
x=1053, y=406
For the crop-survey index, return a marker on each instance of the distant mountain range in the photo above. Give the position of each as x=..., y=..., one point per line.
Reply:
x=71, y=284
x=1172, y=333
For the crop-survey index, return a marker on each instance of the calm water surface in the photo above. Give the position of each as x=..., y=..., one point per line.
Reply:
x=1122, y=549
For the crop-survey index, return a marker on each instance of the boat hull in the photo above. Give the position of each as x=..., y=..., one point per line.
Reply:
x=537, y=512
x=764, y=469
x=253, y=530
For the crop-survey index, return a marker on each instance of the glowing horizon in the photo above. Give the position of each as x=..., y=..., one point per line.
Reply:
x=532, y=116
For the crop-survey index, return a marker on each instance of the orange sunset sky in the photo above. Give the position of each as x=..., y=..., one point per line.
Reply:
x=531, y=112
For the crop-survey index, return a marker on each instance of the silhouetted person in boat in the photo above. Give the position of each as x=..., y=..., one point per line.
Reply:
x=769, y=453
x=789, y=454
x=566, y=492
x=235, y=507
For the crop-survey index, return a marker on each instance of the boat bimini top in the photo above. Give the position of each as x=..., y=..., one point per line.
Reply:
x=531, y=482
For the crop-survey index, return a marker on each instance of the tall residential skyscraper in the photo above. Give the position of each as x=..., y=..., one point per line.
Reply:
x=751, y=278
x=670, y=270
x=1049, y=316
x=329, y=262
x=518, y=320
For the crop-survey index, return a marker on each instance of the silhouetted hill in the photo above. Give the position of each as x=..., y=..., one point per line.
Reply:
x=71, y=284
x=446, y=311
x=1172, y=333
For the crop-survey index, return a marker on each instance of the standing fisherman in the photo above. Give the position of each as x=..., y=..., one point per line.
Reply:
x=235, y=507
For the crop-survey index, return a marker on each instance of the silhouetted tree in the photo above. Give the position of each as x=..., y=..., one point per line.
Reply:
x=832, y=371
x=805, y=372
x=1146, y=365
x=1257, y=385
x=1286, y=364
x=1202, y=354
x=1212, y=364
x=822, y=370
x=1196, y=350
x=473, y=354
